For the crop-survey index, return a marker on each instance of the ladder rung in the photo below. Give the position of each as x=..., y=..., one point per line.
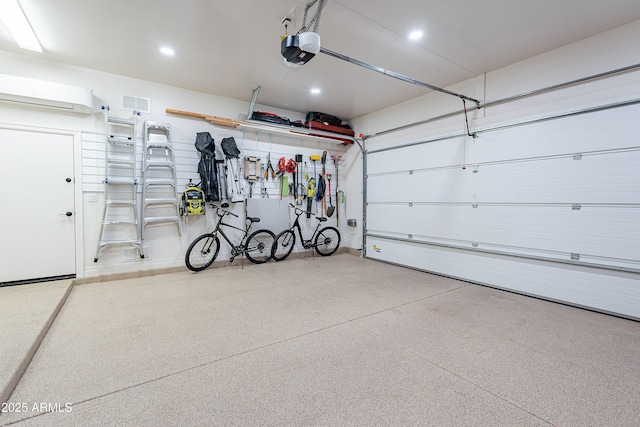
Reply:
x=161, y=219
x=121, y=139
x=154, y=125
x=120, y=221
x=119, y=242
x=156, y=201
x=159, y=164
x=120, y=181
x=121, y=162
x=159, y=181
x=121, y=121
x=121, y=202
x=162, y=145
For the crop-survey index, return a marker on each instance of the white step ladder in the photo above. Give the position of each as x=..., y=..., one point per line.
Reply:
x=120, y=224
x=160, y=203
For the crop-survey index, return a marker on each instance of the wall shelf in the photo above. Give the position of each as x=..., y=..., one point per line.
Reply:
x=298, y=132
x=270, y=128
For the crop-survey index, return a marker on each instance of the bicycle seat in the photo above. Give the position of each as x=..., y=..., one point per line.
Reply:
x=253, y=219
x=322, y=218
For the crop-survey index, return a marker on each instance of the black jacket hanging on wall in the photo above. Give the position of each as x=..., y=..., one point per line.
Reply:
x=207, y=166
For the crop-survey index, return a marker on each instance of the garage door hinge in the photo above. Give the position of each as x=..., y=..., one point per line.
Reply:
x=410, y=172
x=411, y=236
x=577, y=156
x=410, y=204
x=576, y=206
x=474, y=205
x=474, y=244
x=575, y=257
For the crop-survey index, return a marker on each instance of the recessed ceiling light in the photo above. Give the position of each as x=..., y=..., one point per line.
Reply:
x=315, y=91
x=167, y=51
x=415, y=35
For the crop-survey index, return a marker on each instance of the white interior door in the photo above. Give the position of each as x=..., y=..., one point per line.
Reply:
x=37, y=216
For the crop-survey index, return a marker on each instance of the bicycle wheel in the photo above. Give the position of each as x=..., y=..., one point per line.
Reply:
x=327, y=241
x=202, y=252
x=259, y=246
x=283, y=245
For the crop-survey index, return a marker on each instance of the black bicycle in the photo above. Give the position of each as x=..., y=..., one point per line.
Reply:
x=325, y=241
x=204, y=249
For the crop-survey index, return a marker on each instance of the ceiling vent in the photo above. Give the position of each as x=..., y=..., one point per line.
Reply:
x=44, y=94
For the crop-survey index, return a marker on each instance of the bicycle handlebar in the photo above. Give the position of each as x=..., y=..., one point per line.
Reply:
x=224, y=212
x=299, y=211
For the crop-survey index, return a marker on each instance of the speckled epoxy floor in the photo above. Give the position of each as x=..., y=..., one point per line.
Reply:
x=326, y=341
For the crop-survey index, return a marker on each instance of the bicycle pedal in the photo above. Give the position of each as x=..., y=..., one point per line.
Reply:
x=231, y=259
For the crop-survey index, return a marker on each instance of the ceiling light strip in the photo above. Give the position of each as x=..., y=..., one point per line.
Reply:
x=16, y=22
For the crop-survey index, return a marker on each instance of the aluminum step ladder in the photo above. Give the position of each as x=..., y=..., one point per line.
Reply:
x=160, y=203
x=120, y=222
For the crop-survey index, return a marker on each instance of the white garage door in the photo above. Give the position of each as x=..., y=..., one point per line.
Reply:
x=37, y=216
x=549, y=208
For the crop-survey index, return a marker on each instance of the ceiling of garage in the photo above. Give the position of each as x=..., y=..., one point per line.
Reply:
x=229, y=47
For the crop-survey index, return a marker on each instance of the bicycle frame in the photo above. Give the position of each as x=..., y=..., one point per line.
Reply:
x=307, y=244
x=219, y=230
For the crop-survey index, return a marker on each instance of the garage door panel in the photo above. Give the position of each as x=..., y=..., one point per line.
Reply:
x=445, y=185
x=598, y=178
x=588, y=232
x=604, y=178
x=603, y=130
x=600, y=131
x=608, y=291
x=434, y=154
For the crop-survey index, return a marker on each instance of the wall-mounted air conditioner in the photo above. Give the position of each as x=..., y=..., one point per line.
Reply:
x=40, y=93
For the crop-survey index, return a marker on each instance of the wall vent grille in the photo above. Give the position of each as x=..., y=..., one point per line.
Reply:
x=136, y=103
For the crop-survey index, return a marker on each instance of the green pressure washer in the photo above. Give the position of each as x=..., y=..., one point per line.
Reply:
x=192, y=202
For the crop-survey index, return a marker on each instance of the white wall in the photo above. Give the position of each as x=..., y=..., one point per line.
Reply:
x=167, y=248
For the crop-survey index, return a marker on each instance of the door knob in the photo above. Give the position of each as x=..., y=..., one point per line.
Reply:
x=67, y=213
x=68, y=179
